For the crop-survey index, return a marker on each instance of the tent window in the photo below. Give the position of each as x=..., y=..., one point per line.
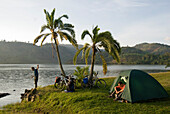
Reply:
x=124, y=79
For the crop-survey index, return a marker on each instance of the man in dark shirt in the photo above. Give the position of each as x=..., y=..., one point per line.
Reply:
x=70, y=87
x=35, y=75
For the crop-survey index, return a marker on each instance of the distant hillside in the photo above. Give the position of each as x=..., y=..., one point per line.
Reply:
x=19, y=52
x=138, y=54
x=26, y=53
x=154, y=48
x=146, y=53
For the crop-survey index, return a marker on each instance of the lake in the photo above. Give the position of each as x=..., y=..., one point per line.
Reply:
x=18, y=76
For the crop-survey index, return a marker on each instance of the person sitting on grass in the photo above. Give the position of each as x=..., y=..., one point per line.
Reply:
x=118, y=91
x=70, y=86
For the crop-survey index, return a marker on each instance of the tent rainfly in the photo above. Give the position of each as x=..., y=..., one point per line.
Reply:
x=140, y=86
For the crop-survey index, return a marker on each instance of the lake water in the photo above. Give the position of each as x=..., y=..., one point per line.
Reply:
x=18, y=76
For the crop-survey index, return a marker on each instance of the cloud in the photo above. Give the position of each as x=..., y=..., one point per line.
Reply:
x=167, y=39
x=148, y=30
x=19, y=3
x=115, y=5
x=129, y=3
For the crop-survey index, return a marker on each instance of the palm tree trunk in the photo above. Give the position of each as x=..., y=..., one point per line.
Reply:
x=59, y=59
x=92, y=63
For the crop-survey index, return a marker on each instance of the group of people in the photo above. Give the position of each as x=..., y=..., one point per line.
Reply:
x=117, y=93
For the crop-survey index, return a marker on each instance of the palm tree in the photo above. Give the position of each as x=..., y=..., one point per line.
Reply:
x=58, y=29
x=168, y=65
x=99, y=40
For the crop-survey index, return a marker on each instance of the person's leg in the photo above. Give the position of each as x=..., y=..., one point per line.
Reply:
x=35, y=82
x=112, y=94
x=118, y=96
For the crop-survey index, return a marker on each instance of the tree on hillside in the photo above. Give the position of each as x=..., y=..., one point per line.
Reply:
x=99, y=40
x=58, y=29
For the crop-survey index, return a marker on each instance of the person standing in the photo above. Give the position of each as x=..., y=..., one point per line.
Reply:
x=35, y=75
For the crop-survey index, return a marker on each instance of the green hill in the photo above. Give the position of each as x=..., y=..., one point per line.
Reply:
x=27, y=53
x=146, y=53
x=153, y=48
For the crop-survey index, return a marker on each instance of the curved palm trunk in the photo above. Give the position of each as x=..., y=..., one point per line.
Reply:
x=92, y=63
x=58, y=56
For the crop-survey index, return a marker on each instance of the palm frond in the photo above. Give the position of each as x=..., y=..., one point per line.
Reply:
x=86, y=32
x=44, y=27
x=37, y=38
x=67, y=25
x=69, y=38
x=106, y=42
x=95, y=29
x=116, y=50
x=70, y=30
x=45, y=36
x=65, y=16
x=52, y=17
x=117, y=45
x=58, y=23
x=45, y=11
x=55, y=23
x=85, y=47
x=87, y=54
x=75, y=44
x=105, y=35
x=109, y=44
x=61, y=36
x=76, y=55
x=115, y=54
x=95, y=32
x=48, y=18
x=104, y=64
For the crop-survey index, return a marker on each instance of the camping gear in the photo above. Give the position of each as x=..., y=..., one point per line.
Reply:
x=140, y=86
x=85, y=80
x=57, y=79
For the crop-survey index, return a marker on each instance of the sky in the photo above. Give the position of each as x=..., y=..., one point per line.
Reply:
x=130, y=21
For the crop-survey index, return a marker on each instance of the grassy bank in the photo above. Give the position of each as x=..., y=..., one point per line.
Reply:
x=90, y=101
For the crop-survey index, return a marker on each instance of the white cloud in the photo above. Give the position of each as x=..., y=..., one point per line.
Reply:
x=129, y=3
x=18, y=3
x=148, y=30
x=128, y=19
x=115, y=5
x=167, y=39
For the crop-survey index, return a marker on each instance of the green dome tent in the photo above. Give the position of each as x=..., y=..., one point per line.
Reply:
x=140, y=86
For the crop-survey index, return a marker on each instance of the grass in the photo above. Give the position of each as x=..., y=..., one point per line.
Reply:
x=90, y=101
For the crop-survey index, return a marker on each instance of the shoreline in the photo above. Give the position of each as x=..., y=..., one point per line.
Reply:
x=105, y=77
x=51, y=100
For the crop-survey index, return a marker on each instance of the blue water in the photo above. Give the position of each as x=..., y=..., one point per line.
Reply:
x=18, y=76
